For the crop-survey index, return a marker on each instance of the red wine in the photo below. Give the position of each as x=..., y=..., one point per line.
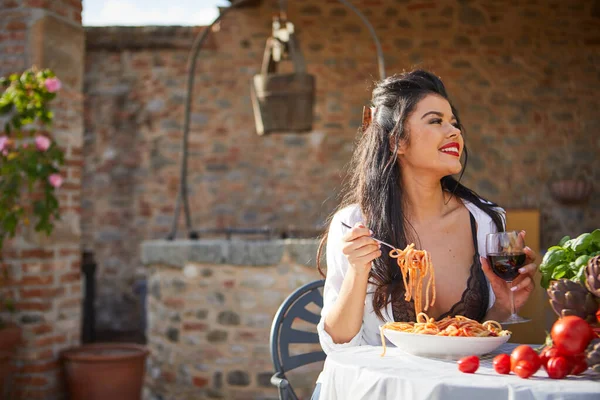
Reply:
x=506, y=265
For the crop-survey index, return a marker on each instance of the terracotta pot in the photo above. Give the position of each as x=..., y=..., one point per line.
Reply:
x=102, y=371
x=10, y=338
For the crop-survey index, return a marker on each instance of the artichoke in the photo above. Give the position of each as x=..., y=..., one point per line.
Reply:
x=592, y=271
x=592, y=355
x=571, y=298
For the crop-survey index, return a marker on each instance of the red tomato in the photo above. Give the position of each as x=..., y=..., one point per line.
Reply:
x=543, y=355
x=558, y=367
x=571, y=335
x=525, y=353
x=468, y=364
x=578, y=364
x=547, y=353
x=502, y=363
x=525, y=369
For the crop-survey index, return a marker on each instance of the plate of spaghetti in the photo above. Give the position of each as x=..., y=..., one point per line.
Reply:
x=450, y=337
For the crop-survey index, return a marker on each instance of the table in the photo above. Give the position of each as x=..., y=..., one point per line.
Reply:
x=360, y=373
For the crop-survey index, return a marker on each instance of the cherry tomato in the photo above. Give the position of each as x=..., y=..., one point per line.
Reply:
x=468, y=364
x=543, y=355
x=558, y=367
x=578, y=364
x=525, y=369
x=525, y=353
x=547, y=353
x=502, y=363
x=571, y=335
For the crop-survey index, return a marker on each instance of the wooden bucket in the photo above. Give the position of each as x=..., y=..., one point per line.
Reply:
x=283, y=102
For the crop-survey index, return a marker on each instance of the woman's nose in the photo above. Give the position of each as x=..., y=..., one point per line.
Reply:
x=453, y=131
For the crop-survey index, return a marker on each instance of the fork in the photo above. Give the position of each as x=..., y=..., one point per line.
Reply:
x=377, y=240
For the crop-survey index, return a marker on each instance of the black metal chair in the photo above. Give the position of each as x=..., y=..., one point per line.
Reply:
x=282, y=335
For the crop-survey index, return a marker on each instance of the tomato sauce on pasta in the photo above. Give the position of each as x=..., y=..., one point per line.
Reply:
x=448, y=326
x=415, y=265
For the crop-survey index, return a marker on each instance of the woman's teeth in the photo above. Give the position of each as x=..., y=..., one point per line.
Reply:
x=451, y=150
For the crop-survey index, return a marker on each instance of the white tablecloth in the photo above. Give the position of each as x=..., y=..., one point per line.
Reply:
x=359, y=373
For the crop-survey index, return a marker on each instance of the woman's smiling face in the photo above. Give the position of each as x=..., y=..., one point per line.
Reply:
x=435, y=142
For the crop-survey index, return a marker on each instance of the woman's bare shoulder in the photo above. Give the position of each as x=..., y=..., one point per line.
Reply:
x=482, y=218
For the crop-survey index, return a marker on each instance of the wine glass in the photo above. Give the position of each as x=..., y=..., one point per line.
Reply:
x=506, y=255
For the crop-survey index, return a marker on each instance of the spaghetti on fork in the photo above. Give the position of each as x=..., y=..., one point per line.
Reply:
x=415, y=265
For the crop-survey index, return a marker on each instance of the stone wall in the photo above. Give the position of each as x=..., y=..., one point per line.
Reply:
x=118, y=211
x=523, y=75
x=210, y=308
x=44, y=272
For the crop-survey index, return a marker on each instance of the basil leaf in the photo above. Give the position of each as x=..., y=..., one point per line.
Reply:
x=563, y=241
x=560, y=271
x=554, y=256
x=582, y=261
x=582, y=242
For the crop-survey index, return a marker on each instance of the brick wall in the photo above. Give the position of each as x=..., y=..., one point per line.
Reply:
x=523, y=75
x=45, y=272
x=18, y=18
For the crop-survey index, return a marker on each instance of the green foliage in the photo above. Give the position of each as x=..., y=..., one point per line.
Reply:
x=29, y=158
x=569, y=259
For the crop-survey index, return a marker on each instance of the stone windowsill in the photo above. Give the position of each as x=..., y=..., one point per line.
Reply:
x=229, y=252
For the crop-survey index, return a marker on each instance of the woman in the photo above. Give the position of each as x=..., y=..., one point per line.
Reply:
x=402, y=191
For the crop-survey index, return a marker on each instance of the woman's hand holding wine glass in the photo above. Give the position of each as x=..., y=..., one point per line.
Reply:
x=510, y=269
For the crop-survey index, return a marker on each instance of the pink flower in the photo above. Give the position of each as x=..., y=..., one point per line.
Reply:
x=3, y=140
x=53, y=85
x=55, y=180
x=42, y=143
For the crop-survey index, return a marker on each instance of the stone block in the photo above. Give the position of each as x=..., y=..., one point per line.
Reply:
x=162, y=252
x=228, y=318
x=238, y=378
x=303, y=251
x=60, y=45
x=67, y=231
x=254, y=253
x=207, y=251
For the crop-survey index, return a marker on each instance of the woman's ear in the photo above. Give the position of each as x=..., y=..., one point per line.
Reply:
x=401, y=145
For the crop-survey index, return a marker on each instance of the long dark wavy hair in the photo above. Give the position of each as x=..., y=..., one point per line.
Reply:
x=374, y=182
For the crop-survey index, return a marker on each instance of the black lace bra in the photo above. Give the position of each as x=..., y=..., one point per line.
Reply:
x=474, y=300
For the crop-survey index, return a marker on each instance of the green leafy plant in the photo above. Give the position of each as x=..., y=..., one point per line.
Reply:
x=29, y=157
x=568, y=260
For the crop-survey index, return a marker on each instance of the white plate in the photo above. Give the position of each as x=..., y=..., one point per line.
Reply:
x=447, y=347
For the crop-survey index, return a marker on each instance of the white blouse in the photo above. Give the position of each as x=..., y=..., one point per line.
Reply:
x=337, y=265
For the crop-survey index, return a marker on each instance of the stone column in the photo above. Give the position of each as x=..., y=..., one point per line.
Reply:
x=45, y=271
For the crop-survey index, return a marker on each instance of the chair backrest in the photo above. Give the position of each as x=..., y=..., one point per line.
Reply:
x=283, y=335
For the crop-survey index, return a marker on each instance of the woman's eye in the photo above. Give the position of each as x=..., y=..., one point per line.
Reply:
x=456, y=125
x=435, y=121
